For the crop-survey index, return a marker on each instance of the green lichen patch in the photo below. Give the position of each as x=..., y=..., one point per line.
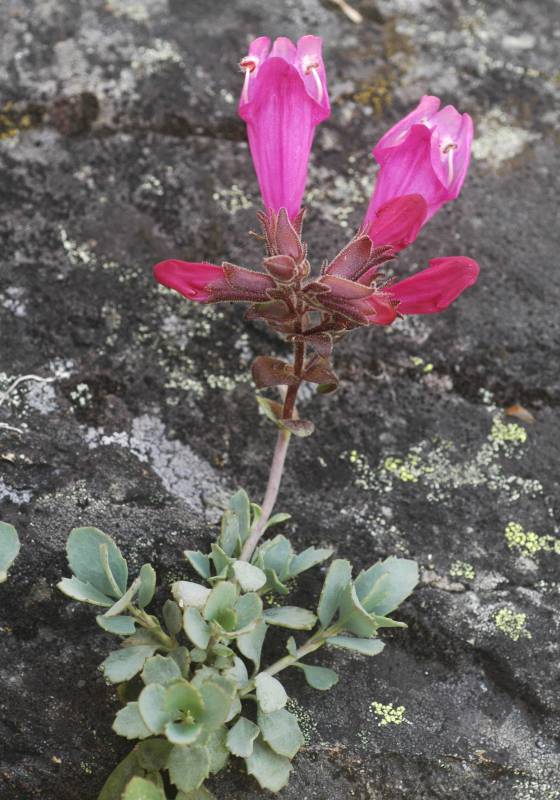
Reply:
x=438, y=465
x=529, y=543
x=388, y=714
x=462, y=569
x=512, y=624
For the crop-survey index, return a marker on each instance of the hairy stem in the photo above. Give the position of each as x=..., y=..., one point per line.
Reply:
x=278, y=459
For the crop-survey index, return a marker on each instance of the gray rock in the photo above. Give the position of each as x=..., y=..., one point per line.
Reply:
x=120, y=146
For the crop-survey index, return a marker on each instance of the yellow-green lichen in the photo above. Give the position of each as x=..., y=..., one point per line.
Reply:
x=461, y=569
x=439, y=464
x=507, y=431
x=529, y=543
x=512, y=624
x=388, y=714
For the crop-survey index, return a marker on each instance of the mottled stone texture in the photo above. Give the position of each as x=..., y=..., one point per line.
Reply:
x=120, y=145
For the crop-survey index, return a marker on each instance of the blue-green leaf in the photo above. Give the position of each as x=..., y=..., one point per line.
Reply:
x=85, y=560
x=9, y=548
x=337, y=579
x=367, y=647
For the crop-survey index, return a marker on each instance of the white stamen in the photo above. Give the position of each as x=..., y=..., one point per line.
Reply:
x=448, y=149
x=311, y=66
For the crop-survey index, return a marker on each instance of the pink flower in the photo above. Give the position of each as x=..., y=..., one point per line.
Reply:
x=426, y=153
x=354, y=288
x=284, y=98
x=208, y=283
x=435, y=288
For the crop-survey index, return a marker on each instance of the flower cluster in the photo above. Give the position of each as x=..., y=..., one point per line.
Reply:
x=423, y=161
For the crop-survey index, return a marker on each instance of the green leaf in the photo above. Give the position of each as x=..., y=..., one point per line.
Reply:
x=271, y=770
x=188, y=767
x=119, y=778
x=387, y=622
x=229, y=539
x=274, y=584
x=239, y=503
x=9, y=548
x=183, y=732
x=309, y=558
x=144, y=760
x=270, y=408
x=129, y=723
x=337, y=579
x=271, y=695
x=221, y=562
x=152, y=705
x=147, y=577
x=248, y=609
x=222, y=598
x=238, y=673
x=122, y=665
x=241, y=736
x=141, y=789
x=250, y=578
x=173, y=617
x=217, y=750
x=160, y=669
x=250, y=644
x=199, y=562
x=384, y=586
x=299, y=619
x=281, y=731
x=196, y=628
x=367, y=647
x=291, y=647
x=123, y=603
x=85, y=560
x=321, y=678
x=121, y=626
x=217, y=703
x=183, y=697
x=189, y=593
x=153, y=754
x=299, y=427
x=275, y=554
x=276, y=519
x=353, y=617
x=85, y=592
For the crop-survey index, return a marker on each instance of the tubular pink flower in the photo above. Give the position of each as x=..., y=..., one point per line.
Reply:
x=189, y=278
x=398, y=221
x=435, y=288
x=426, y=153
x=208, y=283
x=284, y=98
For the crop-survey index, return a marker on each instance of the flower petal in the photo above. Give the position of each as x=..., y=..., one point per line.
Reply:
x=422, y=114
x=281, y=115
x=435, y=288
x=191, y=279
x=398, y=221
x=407, y=169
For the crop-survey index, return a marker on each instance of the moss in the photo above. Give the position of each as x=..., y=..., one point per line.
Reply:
x=512, y=624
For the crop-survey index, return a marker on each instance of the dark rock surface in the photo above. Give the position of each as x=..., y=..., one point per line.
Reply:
x=120, y=145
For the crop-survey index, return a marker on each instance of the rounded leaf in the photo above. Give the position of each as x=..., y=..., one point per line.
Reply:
x=299, y=619
x=281, y=731
x=129, y=723
x=188, y=767
x=84, y=558
x=250, y=578
x=271, y=695
x=271, y=771
x=241, y=736
x=9, y=548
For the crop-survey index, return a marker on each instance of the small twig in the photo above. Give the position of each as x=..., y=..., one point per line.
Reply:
x=22, y=379
x=352, y=14
x=4, y=426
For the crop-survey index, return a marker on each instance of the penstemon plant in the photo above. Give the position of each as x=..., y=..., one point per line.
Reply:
x=192, y=687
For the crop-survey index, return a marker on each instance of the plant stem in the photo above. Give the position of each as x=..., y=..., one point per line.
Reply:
x=273, y=486
x=309, y=647
x=278, y=459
